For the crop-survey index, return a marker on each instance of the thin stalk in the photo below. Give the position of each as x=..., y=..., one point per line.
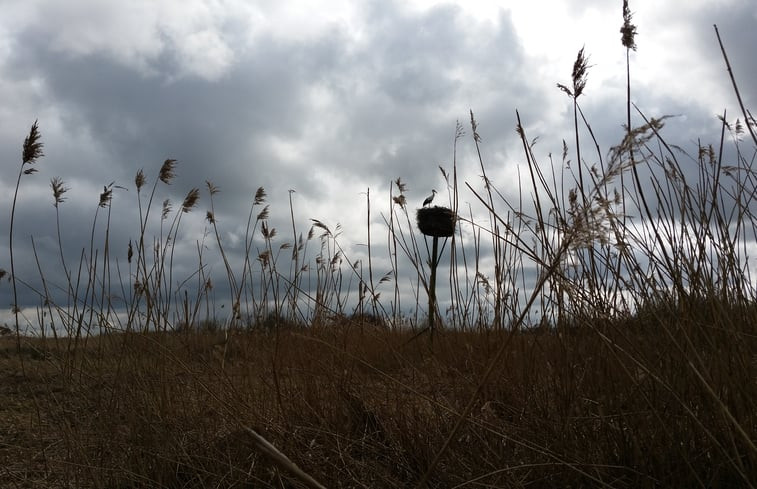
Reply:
x=32, y=150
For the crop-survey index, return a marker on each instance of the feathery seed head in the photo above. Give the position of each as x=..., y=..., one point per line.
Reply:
x=190, y=200
x=140, y=180
x=401, y=186
x=259, y=196
x=564, y=89
x=268, y=233
x=474, y=127
x=459, y=130
x=106, y=196
x=738, y=128
x=56, y=183
x=319, y=224
x=32, y=146
x=580, y=67
x=166, y=209
x=628, y=30
x=167, y=171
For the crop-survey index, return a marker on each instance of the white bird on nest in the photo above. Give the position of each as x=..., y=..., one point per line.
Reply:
x=429, y=198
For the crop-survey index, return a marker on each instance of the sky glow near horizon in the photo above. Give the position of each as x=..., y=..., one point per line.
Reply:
x=329, y=102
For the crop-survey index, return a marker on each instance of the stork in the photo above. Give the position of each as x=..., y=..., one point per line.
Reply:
x=429, y=198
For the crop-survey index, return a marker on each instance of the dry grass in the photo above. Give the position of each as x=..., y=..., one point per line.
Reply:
x=614, y=406
x=600, y=334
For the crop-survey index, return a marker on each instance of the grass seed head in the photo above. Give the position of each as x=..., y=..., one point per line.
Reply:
x=401, y=186
x=32, y=145
x=106, y=196
x=580, y=68
x=628, y=30
x=166, y=209
x=59, y=188
x=190, y=200
x=259, y=196
x=140, y=180
x=167, y=171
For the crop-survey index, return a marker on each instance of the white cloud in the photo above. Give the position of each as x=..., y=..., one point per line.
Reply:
x=205, y=54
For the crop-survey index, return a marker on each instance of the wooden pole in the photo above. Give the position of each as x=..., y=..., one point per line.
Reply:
x=432, y=289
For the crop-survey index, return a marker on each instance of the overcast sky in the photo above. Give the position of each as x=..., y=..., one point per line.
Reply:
x=326, y=99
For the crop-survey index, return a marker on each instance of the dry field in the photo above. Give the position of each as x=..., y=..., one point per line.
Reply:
x=353, y=405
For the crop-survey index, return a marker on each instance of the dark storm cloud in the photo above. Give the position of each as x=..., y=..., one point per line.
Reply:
x=389, y=109
x=393, y=95
x=409, y=81
x=736, y=27
x=143, y=119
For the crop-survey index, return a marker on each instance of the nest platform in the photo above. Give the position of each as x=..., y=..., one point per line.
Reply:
x=436, y=221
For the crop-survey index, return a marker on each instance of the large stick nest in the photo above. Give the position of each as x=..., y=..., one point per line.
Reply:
x=436, y=221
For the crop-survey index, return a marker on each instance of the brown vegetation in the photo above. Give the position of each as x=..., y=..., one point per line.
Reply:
x=616, y=404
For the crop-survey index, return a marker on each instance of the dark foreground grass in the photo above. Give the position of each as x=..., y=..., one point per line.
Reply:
x=613, y=404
